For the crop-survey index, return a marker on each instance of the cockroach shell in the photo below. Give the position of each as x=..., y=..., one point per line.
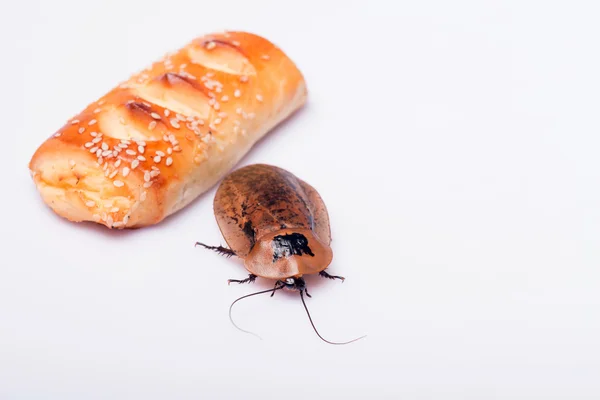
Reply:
x=258, y=205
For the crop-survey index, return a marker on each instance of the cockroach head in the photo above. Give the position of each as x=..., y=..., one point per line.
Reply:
x=297, y=284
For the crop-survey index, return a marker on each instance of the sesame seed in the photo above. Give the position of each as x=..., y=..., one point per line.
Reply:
x=243, y=132
x=259, y=97
x=175, y=123
x=140, y=143
x=125, y=171
x=92, y=122
x=210, y=45
x=155, y=115
x=147, y=184
x=167, y=112
x=113, y=174
x=97, y=110
x=72, y=163
x=235, y=43
x=122, y=146
x=211, y=102
x=239, y=110
x=160, y=153
x=182, y=66
x=81, y=130
x=89, y=144
x=176, y=148
x=141, y=149
x=109, y=221
x=104, y=146
x=147, y=176
x=169, y=150
x=114, y=209
x=224, y=98
x=105, y=172
x=118, y=163
x=169, y=161
x=141, y=158
x=152, y=125
x=165, y=137
x=106, y=153
x=157, y=159
x=218, y=121
x=75, y=121
x=118, y=224
x=237, y=93
x=154, y=173
x=122, y=120
x=180, y=117
x=90, y=203
x=93, y=149
x=222, y=114
x=130, y=152
x=118, y=183
x=243, y=78
x=93, y=134
x=265, y=57
x=125, y=142
x=101, y=102
x=134, y=164
x=143, y=196
x=217, y=106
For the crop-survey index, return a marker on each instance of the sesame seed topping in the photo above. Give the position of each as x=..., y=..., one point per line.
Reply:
x=147, y=176
x=117, y=163
x=118, y=224
x=239, y=110
x=211, y=102
x=152, y=125
x=175, y=123
x=101, y=102
x=259, y=97
x=143, y=196
x=217, y=106
x=176, y=148
x=94, y=149
x=237, y=93
x=160, y=153
x=141, y=149
x=169, y=161
x=157, y=159
x=141, y=158
x=92, y=122
x=210, y=45
x=155, y=115
x=155, y=172
x=89, y=144
x=134, y=164
x=81, y=130
x=147, y=184
x=122, y=120
x=72, y=163
x=218, y=121
x=97, y=110
x=265, y=57
x=243, y=78
x=125, y=141
x=97, y=140
x=113, y=174
x=118, y=183
x=140, y=143
x=75, y=121
x=126, y=171
x=114, y=209
x=235, y=43
x=224, y=98
x=169, y=150
x=167, y=112
x=90, y=203
x=130, y=152
x=104, y=146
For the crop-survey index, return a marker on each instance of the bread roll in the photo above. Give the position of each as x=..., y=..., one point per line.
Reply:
x=170, y=132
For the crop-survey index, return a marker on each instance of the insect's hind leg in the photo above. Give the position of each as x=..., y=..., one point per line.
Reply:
x=219, y=249
x=326, y=275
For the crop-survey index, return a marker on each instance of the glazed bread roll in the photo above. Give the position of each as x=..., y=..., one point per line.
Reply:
x=155, y=142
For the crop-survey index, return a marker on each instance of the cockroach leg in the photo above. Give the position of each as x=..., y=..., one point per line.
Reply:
x=250, y=279
x=219, y=249
x=278, y=285
x=306, y=291
x=326, y=275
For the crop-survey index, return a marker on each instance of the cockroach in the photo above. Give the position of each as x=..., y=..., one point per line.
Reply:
x=278, y=225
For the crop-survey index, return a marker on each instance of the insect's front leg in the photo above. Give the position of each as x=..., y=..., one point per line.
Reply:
x=250, y=279
x=326, y=275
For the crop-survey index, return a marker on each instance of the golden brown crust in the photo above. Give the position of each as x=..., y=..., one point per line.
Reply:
x=155, y=142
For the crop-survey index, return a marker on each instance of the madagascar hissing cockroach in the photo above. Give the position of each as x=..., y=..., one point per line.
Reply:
x=278, y=225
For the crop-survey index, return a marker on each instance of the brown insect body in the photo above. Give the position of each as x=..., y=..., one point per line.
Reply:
x=277, y=223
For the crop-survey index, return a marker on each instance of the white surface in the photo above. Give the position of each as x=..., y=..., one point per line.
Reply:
x=456, y=146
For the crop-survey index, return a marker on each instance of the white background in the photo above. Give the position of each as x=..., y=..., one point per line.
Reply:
x=456, y=145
